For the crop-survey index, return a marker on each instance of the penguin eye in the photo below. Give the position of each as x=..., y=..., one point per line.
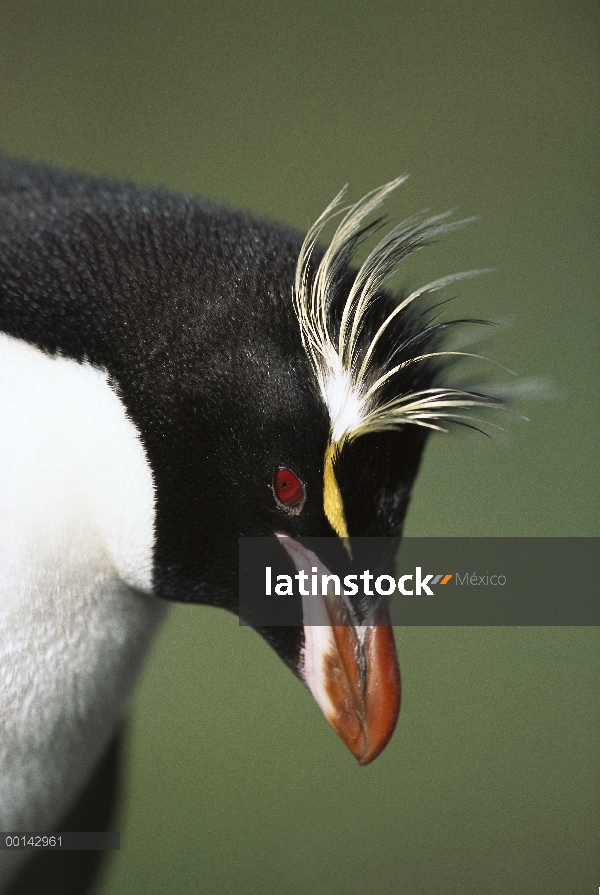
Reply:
x=289, y=490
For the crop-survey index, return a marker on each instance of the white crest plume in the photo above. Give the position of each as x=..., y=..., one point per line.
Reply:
x=347, y=377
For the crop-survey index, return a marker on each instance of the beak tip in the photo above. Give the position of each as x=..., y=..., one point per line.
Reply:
x=374, y=748
x=368, y=735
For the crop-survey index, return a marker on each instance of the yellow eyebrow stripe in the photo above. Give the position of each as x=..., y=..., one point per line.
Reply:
x=332, y=499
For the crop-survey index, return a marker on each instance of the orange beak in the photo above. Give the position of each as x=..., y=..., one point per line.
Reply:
x=351, y=669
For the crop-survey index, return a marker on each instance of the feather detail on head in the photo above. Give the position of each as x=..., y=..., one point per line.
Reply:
x=360, y=368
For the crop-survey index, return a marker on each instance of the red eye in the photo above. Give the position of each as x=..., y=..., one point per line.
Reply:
x=289, y=490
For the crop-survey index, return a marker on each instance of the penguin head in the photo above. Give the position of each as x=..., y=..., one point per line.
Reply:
x=300, y=407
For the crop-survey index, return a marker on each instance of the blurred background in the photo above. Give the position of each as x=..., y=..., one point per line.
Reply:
x=234, y=782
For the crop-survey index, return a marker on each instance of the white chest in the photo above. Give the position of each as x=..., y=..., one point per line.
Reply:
x=76, y=609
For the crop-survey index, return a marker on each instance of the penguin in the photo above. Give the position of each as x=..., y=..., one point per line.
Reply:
x=175, y=376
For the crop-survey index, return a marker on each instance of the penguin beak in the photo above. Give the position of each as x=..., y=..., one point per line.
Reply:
x=351, y=669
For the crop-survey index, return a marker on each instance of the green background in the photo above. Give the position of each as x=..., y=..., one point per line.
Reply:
x=235, y=784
